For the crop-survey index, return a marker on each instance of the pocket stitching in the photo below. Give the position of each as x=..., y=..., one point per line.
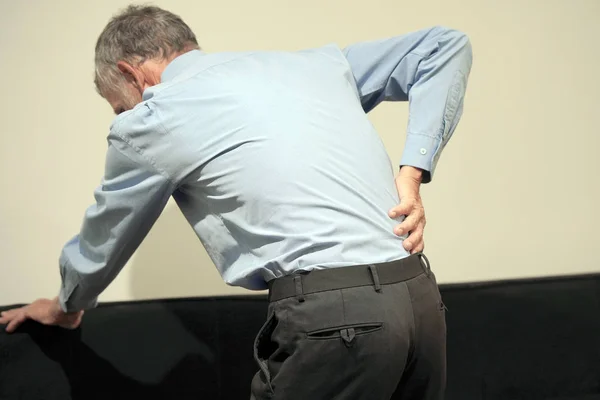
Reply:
x=336, y=331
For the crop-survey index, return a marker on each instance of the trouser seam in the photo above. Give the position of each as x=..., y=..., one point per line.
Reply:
x=413, y=325
x=343, y=306
x=263, y=363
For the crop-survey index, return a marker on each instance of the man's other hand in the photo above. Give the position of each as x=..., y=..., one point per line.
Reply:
x=408, y=183
x=44, y=311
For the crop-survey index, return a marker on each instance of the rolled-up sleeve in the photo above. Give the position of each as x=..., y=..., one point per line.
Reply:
x=129, y=200
x=429, y=69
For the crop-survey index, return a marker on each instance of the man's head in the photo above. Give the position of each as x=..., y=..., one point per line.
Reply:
x=134, y=49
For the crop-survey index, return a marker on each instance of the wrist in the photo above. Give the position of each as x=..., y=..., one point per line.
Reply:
x=413, y=173
x=56, y=308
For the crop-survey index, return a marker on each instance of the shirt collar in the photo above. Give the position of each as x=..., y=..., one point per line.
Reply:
x=179, y=64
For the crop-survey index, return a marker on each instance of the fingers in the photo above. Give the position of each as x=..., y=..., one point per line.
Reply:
x=414, y=242
x=15, y=323
x=7, y=316
x=414, y=248
x=408, y=225
x=411, y=222
x=418, y=248
x=399, y=210
x=405, y=207
x=414, y=212
x=14, y=320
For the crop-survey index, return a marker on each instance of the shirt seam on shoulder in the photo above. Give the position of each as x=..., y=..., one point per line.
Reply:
x=160, y=122
x=345, y=63
x=139, y=151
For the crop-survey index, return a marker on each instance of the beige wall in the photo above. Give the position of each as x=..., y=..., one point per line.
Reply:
x=516, y=193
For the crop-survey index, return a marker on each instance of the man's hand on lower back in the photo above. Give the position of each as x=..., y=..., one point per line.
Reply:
x=408, y=183
x=44, y=311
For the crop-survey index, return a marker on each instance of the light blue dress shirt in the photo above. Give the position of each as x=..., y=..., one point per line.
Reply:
x=271, y=158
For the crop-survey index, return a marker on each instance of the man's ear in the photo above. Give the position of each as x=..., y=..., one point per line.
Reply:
x=132, y=75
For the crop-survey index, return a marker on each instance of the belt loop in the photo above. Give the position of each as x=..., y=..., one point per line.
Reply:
x=375, y=277
x=425, y=262
x=299, y=289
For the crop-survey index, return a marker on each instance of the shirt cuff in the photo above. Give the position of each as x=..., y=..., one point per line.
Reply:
x=421, y=151
x=71, y=304
x=70, y=296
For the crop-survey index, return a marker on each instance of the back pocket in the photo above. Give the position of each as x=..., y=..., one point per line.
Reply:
x=347, y=333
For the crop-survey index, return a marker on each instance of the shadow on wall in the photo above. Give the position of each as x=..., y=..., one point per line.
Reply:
x=171, y=262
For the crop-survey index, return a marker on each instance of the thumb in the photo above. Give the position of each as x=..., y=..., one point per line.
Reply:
x=72, y=321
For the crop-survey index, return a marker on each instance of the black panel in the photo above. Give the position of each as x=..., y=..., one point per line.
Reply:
x=529, y=340
x=146, y=350
x=512, y=340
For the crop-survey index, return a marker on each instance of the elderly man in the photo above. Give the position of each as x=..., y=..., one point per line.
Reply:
x=272, y=159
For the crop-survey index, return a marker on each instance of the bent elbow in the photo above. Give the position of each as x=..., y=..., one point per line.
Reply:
x=457, y=42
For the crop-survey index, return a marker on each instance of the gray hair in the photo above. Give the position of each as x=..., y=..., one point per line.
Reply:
x=137, y=34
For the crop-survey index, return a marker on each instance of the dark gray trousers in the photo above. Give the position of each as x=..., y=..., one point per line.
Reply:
x=376, y=341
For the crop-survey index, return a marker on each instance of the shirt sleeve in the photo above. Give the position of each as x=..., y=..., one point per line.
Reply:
x=427, y=68
x=129, y=200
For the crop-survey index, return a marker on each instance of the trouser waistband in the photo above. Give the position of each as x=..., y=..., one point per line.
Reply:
x=346, y=277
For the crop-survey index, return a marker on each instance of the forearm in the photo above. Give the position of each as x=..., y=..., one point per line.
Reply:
x=436, y=100
x=128, y=202
x=429, y=68
x=109, y=237
x=82, y=280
